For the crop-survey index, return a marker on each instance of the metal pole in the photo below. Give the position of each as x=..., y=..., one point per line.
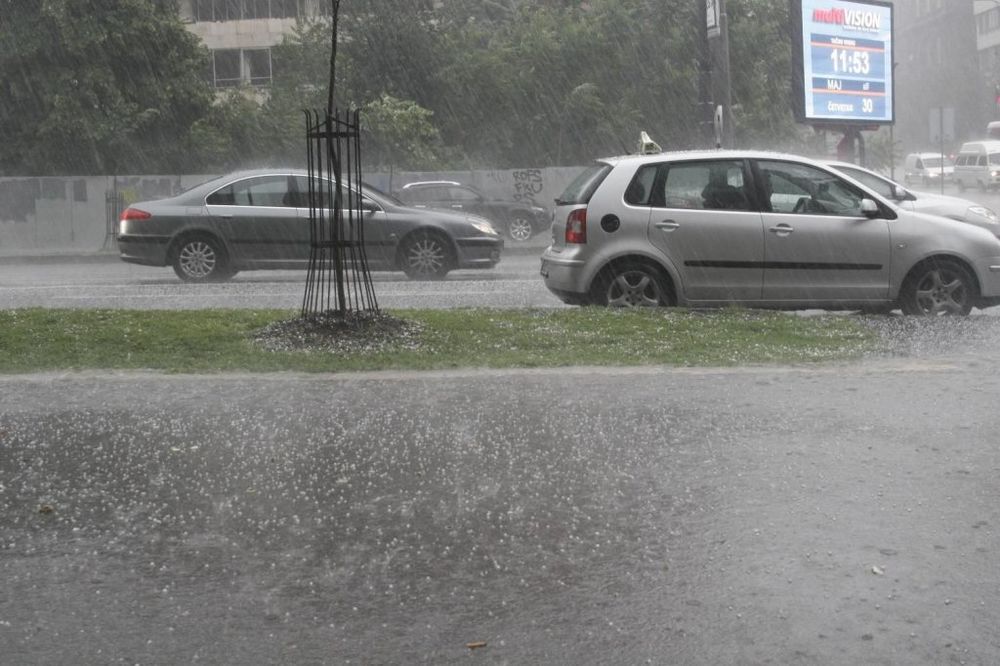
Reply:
x=941, y=139
x=726, y=100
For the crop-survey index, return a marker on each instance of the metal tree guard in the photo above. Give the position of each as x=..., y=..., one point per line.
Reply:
x=338, y=277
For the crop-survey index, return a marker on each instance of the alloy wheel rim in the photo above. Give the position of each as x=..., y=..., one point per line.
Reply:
x=197, y=259
x=426, y=257
x=520, y=229
x=942, y=293
x=634, y=289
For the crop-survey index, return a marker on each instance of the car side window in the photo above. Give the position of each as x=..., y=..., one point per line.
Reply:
x=461, y=194
x=429, y=194
x=717, y=185
x=982, y=160
x=803, y=189
x=640, y=190
x=415, y=195
x=300, y=188
x=271, y=191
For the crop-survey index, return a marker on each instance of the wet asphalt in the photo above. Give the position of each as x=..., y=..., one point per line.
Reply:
x=819, y=514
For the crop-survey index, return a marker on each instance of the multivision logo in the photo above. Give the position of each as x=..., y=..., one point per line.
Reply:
x=849, y=18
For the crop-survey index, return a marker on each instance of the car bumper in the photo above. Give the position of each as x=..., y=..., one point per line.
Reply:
x=989, y=278
x=479, y=252
x=144, y=250
x=562, y=276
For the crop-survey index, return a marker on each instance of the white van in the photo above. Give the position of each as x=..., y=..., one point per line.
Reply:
x=928, y=168
x=978, y=165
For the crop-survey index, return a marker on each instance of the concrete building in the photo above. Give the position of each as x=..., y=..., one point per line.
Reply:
x=240, y=34
x=987, y=16
x=941, y=96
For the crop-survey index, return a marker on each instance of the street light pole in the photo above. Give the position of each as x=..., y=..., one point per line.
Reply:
x=717, y=29
x=726, y=98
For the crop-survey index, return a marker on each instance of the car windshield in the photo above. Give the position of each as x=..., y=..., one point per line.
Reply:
x=881, y=185
x=995, y=159
x=935, y=162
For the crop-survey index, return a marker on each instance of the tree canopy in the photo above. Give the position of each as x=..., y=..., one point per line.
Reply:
x=95, y=86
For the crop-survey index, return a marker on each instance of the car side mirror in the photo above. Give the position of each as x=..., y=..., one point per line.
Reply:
x=368, y=206
x=869, y=209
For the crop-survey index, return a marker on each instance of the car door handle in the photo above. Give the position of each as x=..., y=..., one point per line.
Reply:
x=781, y=230
x=667, y=225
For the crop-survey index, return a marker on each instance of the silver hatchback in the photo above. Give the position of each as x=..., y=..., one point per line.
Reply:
x=759, y=229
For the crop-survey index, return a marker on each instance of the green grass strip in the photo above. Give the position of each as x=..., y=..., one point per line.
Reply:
x=200, y=341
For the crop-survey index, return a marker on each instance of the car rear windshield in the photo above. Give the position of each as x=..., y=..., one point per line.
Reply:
x=584, y=185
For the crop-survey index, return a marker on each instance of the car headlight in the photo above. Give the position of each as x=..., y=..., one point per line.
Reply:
x=983, y=213
x=483, y=226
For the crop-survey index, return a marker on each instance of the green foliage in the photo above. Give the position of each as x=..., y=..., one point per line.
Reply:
x=98, y=86
x=399, y=133
x=102, y=86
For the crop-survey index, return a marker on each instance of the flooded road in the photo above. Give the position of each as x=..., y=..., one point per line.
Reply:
x=801, y=515
x=106, y=282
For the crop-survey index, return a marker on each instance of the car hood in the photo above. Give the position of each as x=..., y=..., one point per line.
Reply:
x=445, y=217
x=955, y=208
x=919, y=224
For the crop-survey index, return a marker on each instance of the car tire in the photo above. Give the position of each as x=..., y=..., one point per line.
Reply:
x=632, y=284
x=519, y=228
x=877, y=310
x=936, y=288
x=201, y=259
x=425, y=256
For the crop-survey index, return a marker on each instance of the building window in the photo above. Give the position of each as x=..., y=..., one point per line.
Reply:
x=234, y=10
x=228, y=68
x=258, y=63
x=234, y=67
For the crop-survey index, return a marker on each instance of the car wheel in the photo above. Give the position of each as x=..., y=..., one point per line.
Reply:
x=937, y=288
x=426, y=256
x=519, y=228
x=631, y=284
x=201, y=259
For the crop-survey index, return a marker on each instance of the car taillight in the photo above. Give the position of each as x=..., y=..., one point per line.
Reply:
x=576, y=226
x=134, y=214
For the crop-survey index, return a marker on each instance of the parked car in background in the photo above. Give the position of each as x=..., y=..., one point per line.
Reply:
x=927, y=168
x=254, y=220
x=922, y=202
x=761, y=229
x=520, y=221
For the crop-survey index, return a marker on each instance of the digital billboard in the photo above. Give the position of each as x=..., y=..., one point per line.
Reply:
x=843, y=61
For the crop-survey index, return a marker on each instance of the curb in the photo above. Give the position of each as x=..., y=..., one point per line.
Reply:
x=10, y=258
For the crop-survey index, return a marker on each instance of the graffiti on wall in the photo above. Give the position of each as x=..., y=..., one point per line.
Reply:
x=528, y=184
